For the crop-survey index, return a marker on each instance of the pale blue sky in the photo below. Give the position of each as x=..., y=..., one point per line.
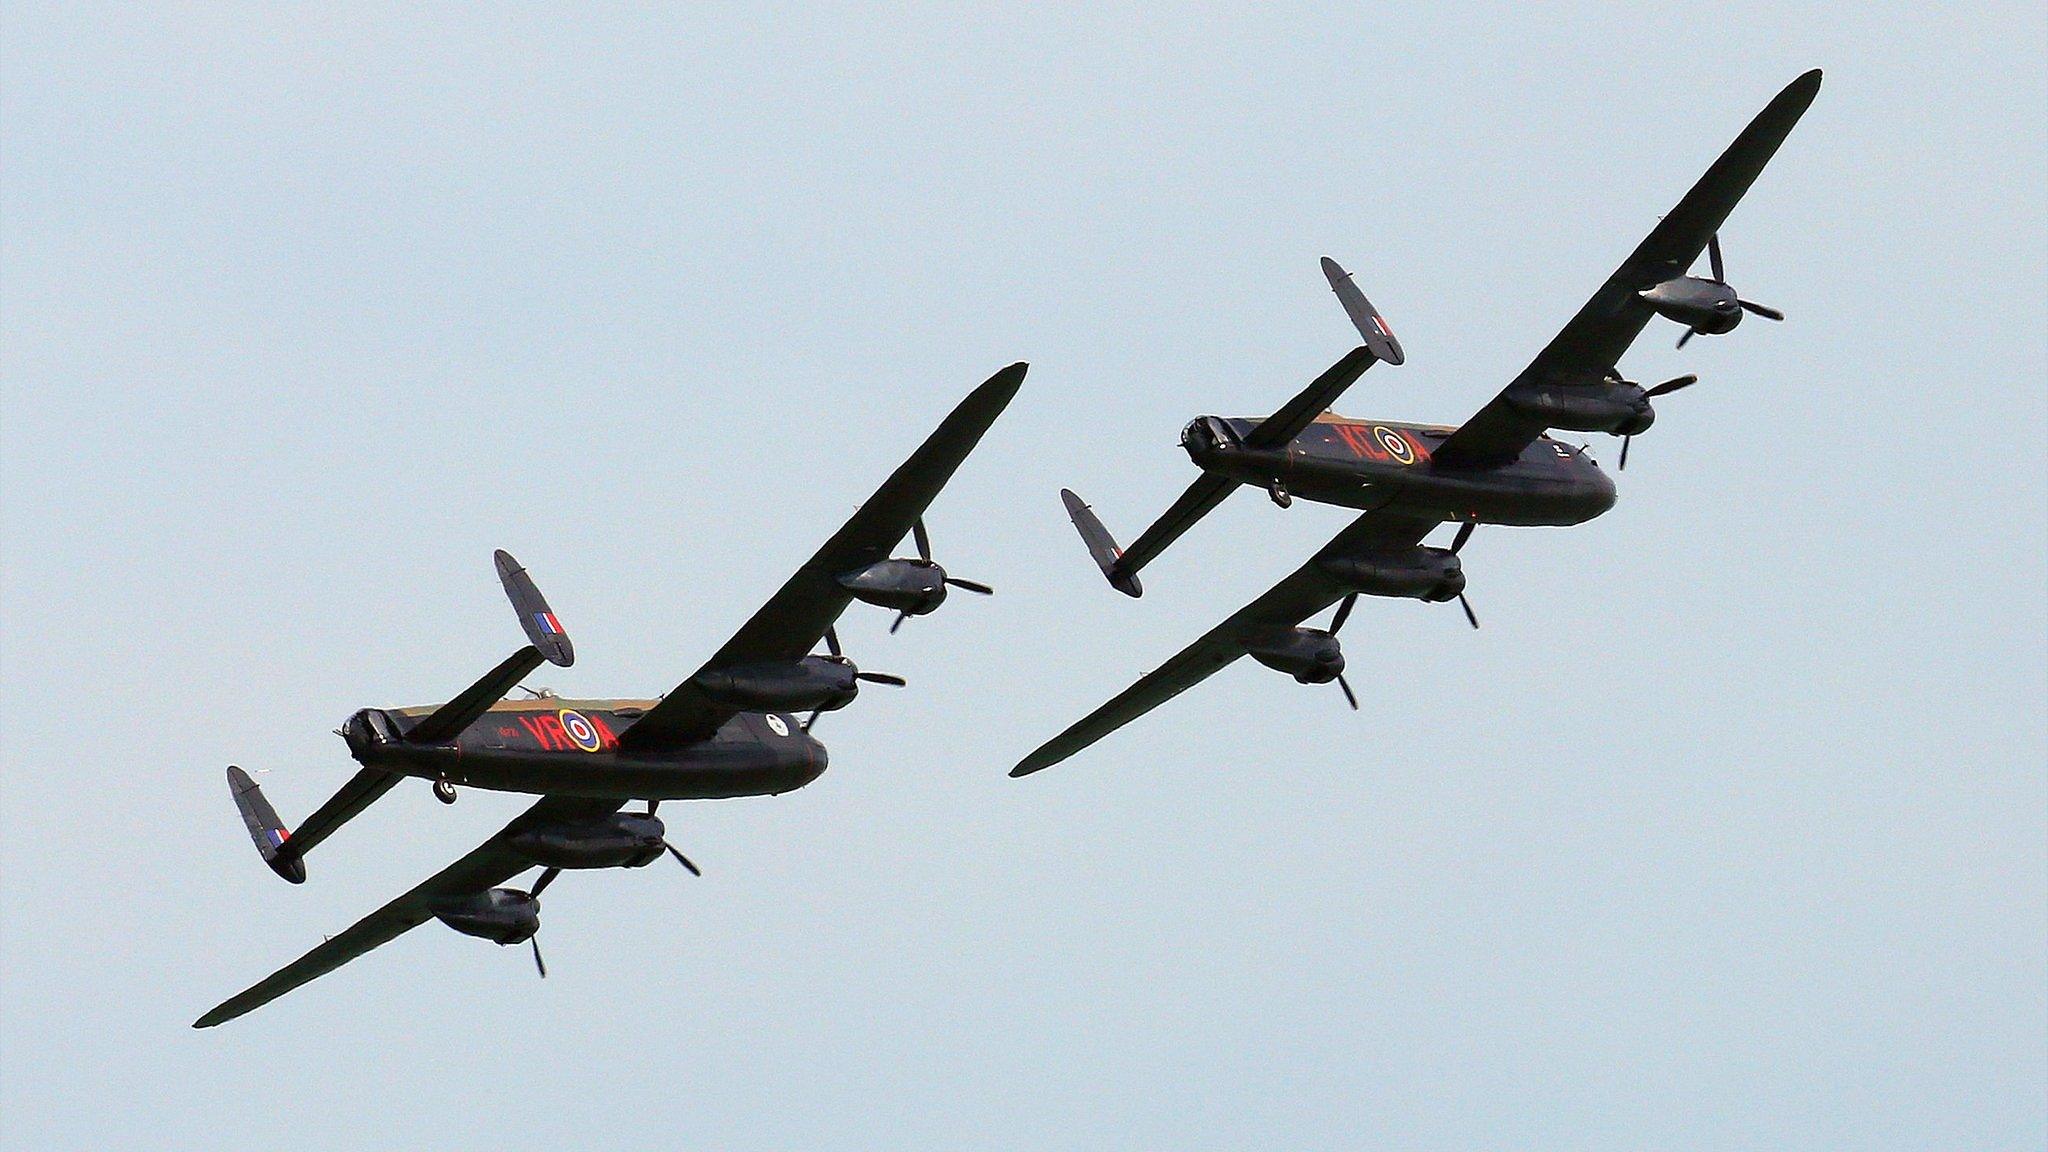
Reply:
x=1727, y=830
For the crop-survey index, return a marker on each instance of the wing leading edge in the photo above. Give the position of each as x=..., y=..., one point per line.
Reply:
x=792, y=622
x=1309, y=590
x=1593, y=342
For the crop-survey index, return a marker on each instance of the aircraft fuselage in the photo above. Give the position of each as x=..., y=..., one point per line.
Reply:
x=558, y=747
x=1375, y=465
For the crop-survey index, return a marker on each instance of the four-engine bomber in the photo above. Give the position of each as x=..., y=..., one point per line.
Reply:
x=1499, y=467
x=729, y=730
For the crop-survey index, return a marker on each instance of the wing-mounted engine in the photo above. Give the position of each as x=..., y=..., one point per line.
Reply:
x=1419, y=573
x=813, y=684
x=1707, y=307
x=500, y=915
x=910, y=587
x=620, y=840
x=1610, y=404
x=1607, y=404
x=1310, y=655
x=818, y=683
x=510, y=916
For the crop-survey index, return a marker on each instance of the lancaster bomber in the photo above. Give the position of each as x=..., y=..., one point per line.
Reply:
x=726, y=731
x=1499, y=467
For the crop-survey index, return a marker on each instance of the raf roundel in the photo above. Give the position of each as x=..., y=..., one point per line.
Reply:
x=581, y=732
x=1396, y=444
x=778, y=725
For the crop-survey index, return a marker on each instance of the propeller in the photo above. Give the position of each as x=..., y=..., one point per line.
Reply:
x=1337, y=622
x=1457, y=542
x=832, y=646
x=680, y=858
x=1721, y=277
x=1664, y=389
x=924, y=556
x=924, y=552
x=889, y=678
x=547, y=877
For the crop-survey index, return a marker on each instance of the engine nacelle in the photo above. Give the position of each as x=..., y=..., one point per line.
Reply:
x=912, y=586
x=1310, y=655
x=501, y=915
x=1420, y=573
x=1608, y=405
x=621, y=840
x=1705, y=306
x=820, y=683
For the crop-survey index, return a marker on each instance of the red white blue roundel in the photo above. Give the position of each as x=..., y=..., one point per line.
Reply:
x=580, y=731
x=1396, y=444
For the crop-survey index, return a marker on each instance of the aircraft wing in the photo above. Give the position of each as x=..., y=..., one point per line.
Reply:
x=489, y=866
x=1593, y=342
x=1309, y=590
x=789, y=626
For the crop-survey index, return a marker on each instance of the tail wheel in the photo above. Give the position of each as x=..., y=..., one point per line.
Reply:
x=444, y=791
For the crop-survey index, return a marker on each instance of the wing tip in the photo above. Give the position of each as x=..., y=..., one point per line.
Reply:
x=1013, y=375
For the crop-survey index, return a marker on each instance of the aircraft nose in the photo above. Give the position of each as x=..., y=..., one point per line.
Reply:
x=1599, y=492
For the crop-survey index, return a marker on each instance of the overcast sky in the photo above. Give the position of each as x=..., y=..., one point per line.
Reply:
x=1726, y=831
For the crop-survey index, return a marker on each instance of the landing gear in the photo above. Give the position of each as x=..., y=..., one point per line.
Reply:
x=444, y=791
x=1279, y=493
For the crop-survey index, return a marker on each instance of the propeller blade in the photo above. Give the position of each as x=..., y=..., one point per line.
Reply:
x=1686, y=335
x=1673, y=385
x=1343, y=614
x=892, y=680
x=546, y=878
x=970, y=586
x=898, y=622
x=682, y=859
x=1761, y=310
x=1467, y=606
x=1714, y=257
x=1464, y=534
x=537, y=961
x=924, y=542
x=1349, y=695
x=832, y=640
x=1623, y=466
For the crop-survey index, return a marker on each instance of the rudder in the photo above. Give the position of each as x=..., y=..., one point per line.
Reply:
x=265, y=828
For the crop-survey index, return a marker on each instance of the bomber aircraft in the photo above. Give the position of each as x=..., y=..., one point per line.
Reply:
x=726, y=731
x=1499, y=467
